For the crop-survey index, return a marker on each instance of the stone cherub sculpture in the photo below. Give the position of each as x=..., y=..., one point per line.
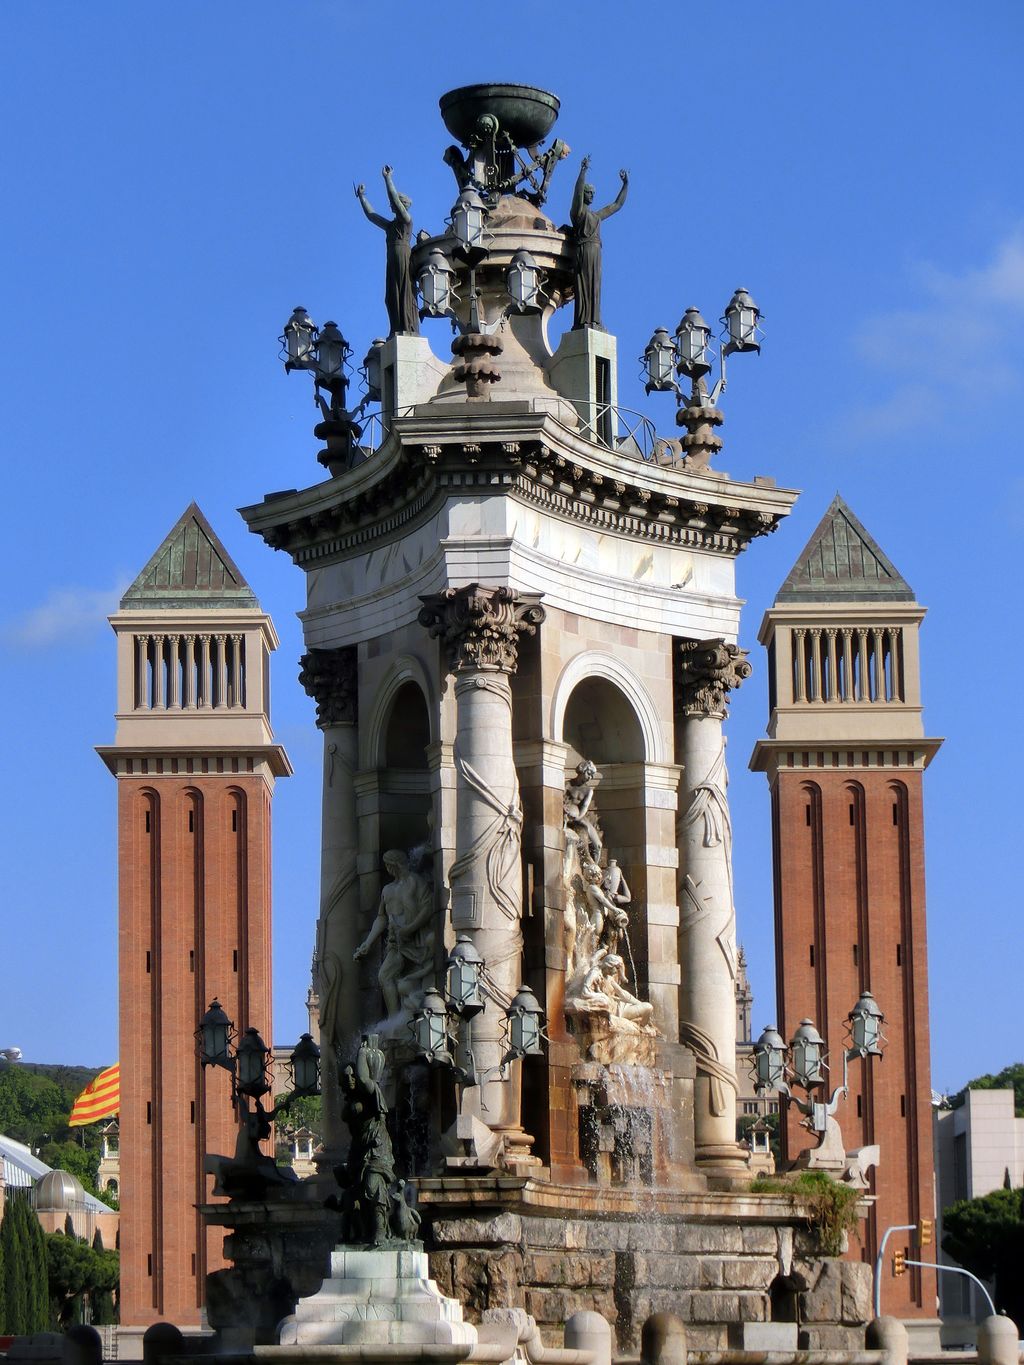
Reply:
x=399, y=294
x=586, y=237
x=405, y=918
x=577, y=801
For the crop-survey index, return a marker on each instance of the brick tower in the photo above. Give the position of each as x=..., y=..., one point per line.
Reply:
x=845, y=757
x=195, y=761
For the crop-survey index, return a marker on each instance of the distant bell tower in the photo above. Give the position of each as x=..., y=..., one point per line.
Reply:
x=845, y=757
x=195, y=761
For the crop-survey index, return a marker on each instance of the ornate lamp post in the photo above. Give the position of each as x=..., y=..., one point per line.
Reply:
x=324, y=352
x=690, y=353
x=248, y=1065
x=442, y=1026
x=804, y=1064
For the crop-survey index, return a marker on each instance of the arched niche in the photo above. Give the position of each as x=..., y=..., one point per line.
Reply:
x=600, y=722
x=403, y=767
x=616, y=693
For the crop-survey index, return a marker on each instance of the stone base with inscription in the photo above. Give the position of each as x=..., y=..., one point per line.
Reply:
x=376, y=1297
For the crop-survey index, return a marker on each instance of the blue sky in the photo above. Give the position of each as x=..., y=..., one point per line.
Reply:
x=178, y=176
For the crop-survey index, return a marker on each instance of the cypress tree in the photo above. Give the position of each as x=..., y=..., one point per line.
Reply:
x=3, y=1277
x=15, y=1240
x=69, y=1225
x=40, y=1277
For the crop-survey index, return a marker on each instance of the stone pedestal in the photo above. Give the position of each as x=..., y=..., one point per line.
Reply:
x=376, y=1297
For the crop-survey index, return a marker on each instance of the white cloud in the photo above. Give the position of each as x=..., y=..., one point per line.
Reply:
x=959, y=340
x=64, y=615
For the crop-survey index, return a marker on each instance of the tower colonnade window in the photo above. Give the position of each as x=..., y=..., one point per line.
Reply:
x=189, y=671
x=848, y=664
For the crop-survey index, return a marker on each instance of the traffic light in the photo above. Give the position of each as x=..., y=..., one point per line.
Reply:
x=899, y=1263
x=924, y=1232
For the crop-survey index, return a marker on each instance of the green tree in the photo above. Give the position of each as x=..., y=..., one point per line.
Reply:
x=78, y=1271
x=1010, y=1078
x=986, y=1236
x=16, y=1296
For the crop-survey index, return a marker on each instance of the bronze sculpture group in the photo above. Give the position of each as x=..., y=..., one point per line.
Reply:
x=584, y=233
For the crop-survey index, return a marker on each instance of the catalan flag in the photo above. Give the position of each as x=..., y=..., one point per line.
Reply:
x=100, y=1098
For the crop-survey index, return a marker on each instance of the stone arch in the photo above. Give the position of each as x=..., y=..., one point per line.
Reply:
x=592, y=665
x=405, y=671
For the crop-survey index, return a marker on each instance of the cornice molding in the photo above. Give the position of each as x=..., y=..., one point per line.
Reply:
x=586, y=485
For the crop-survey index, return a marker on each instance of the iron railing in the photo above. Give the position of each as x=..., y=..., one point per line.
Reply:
x=617, y=429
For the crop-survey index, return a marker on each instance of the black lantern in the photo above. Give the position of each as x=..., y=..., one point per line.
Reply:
x=430, y=1027
x=465, y=968
x=371, y=370
x=332, y=351
x=693, y=336
x=305, y=1066
x=808, y=1049
x=298, y=342
x=770, y=1060
x=659, y=361
x=252, y=1064
x=741, y=319
x=436, y=281
x=214, y=1034
x=467, y=220
x=525, y=1021
x=866, y=1021
x=524, y=283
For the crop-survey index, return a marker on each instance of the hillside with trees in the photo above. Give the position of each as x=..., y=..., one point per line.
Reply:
x=35, y=1105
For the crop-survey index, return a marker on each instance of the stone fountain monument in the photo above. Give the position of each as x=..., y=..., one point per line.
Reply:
x=520, y=624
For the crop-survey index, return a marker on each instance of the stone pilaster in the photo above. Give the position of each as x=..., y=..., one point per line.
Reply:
x=480, y=629
x=329, y=677
x=708, y=671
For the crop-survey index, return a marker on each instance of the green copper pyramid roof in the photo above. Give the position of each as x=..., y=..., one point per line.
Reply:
x=842, y=563
x=190, y=569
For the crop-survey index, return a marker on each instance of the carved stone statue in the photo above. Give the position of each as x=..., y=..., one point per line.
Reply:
x=586, y=235
x=604, y=987
x=369, y=1172
x=579, y=796
x=611, y=1023
x=406, y=918
x=399, y=295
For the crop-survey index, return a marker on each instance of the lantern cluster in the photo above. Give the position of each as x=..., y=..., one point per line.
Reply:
x=689, y=352
x=467, y=228
x=440, y=1016
x=323, y=350
x=249, y=1062
x=803, y=1061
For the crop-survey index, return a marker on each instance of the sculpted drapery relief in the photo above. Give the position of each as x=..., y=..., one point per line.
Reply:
x=709, y=670
x=612, y=1023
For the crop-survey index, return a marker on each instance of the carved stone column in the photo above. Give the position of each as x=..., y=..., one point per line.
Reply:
x=708, y=670
x=329, y=677
x=480, y=629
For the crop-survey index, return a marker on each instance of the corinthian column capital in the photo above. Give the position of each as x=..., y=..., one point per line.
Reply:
x=329, y=677
x=709, y=670
x=480, y=627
